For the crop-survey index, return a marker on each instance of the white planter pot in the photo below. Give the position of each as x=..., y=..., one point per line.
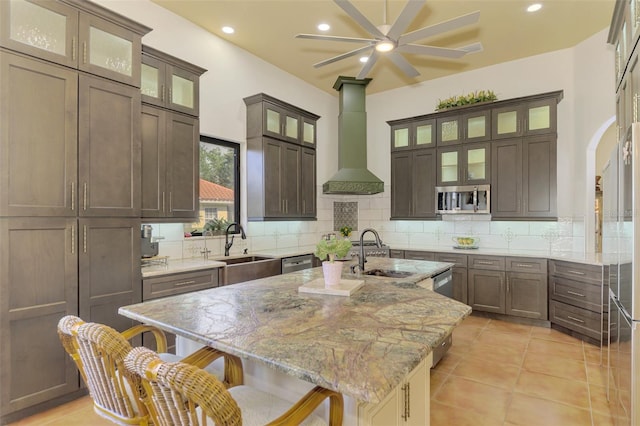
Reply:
x=332, y=272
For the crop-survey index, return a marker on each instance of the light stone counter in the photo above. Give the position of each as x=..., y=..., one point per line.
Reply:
x=174, y=266
x=588, y=258
x=361, y=346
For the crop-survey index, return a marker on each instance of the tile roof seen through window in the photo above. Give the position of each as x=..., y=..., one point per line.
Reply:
x=210, y=191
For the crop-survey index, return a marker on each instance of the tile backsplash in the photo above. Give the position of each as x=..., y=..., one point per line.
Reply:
x=373, y=211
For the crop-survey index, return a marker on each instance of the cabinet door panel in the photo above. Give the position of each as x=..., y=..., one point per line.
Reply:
x=183, y=172
x=448, y=166
x=153, y=158
x=184, y=90
x=423, y=183
x=109, y=50
x=109, y=269
x=539, y=176
x=486, y=290
x=308, y=183
x=527, y=295
x=39, y=118
x=506, y=178
x=460, y=286
x=38, y=286
x=401, y=184
x=152, y=81
x=109, y=148
x=291, y=183
x=273, y=180
x=44, y=29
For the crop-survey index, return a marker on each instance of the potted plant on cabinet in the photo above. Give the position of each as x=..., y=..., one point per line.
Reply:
x=328, y=249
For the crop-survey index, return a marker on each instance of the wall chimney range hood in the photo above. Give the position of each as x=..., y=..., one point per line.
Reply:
x=352, y=177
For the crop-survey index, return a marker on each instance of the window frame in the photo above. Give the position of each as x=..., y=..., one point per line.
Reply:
x=235, y=146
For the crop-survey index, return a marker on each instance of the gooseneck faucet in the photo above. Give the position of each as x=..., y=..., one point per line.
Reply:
x=227, y=243
x=361, y=256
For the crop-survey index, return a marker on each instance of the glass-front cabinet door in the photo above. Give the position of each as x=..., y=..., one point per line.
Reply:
x=184, y=90
x=416, y=134
x=449, y=130
x=476, y=159
x=281, y=124
x=448, y=166
x=477, y=126
x=45, y=29
x=506, y=122
x=308, y=132
x=109, y=50
x=540, y=117
x=533, y=118
x=152, y=81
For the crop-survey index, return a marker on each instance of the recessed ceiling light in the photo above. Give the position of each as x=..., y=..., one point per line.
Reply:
x=364, y=59
x=324, y=27
x=534, y=7
x=228, y=30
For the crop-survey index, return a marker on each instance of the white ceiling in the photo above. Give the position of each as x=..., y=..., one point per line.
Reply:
x=267, y=28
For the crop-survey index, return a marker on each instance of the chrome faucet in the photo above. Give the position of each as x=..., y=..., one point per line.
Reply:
x=361, y=256
x=227, y=243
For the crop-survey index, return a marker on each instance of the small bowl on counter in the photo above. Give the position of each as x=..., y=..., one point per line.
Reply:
x=466, y=242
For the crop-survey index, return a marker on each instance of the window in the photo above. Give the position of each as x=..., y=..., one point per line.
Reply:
x=219, y=184
x=210, y=213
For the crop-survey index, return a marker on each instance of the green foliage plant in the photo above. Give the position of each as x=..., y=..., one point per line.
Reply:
x=216, y=225
x=469, y=99
x=332, y=248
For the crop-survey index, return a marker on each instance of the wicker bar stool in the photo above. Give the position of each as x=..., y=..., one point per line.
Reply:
x=99, y=351
x=179, y=394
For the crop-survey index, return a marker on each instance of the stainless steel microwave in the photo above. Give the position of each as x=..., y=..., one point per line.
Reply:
x=470, y=199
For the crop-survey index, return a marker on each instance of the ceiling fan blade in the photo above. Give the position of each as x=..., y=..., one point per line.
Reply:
x=441, y=27
x=359, y=17
x=336, y=38
x=432, y=51
x=343, y=56
x=407, y=15
x=368, y=65
x=472, y=48
x=402, y=63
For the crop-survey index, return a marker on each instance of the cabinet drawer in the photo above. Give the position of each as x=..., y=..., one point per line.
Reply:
x=526, y=264
x=154, y=288
x=577, y=293
x=419, y=255
x=458, y=259
x=396, y=254
x=576, y=271
x=494, y=263
x=576, y=319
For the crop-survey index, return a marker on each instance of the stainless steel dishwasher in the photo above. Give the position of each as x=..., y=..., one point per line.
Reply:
x=297, y=263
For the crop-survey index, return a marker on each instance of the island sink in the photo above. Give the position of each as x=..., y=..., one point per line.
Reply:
x=390, y=273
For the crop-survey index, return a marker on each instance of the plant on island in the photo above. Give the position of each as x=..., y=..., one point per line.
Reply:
x=332, y=248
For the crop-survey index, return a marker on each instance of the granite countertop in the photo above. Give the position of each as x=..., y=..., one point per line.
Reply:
x=362, y=346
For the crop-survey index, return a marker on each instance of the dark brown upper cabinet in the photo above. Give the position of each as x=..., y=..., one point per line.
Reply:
x=413, y=134
x=170, y=82
x=534, y=117
x=75, y=33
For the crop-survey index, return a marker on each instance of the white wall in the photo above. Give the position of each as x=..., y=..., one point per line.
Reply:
x=585, y=73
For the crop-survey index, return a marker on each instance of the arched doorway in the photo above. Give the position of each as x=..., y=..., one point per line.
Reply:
x=598, y=151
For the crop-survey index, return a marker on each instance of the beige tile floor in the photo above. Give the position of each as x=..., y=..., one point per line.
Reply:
x=496, y=374
x=503, y=374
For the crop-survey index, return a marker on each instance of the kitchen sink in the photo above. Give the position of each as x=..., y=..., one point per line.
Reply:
x=247, y=268
x=388, y=273
x=244, y=259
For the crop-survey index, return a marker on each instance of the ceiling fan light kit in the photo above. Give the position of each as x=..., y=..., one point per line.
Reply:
x=390, y=40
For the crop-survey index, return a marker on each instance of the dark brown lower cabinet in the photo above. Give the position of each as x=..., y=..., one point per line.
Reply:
x=486, y=291
x=460, y=284
x=526, y=295
x=38, y=286
x=172, y=284
x=109, y=270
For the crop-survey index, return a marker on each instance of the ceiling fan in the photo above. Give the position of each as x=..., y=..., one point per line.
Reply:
x=388, y=39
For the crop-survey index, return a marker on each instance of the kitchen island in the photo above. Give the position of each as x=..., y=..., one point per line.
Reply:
x=362, y=346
